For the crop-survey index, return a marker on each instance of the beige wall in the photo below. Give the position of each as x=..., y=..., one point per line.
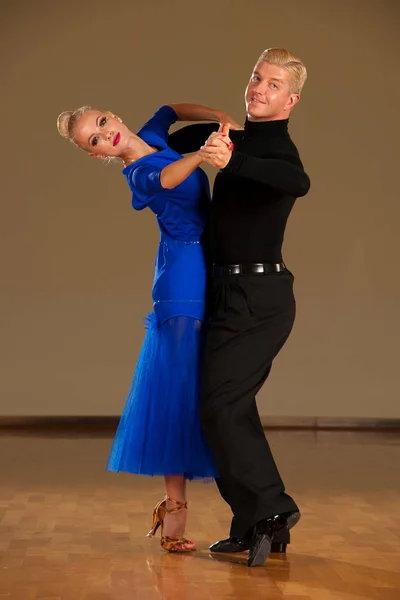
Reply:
x=76, y=261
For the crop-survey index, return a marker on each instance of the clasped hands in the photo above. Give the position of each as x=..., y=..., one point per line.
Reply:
x=217, y=150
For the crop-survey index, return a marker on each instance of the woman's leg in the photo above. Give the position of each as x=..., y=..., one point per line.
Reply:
x=175, y=522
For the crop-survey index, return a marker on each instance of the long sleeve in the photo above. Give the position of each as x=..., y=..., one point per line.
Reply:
x=280, y=174
x=191, y=138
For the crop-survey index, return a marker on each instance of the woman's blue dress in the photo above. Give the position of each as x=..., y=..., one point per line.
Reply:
x=159, y=431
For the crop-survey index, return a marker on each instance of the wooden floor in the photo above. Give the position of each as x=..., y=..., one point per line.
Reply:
x=71, y=531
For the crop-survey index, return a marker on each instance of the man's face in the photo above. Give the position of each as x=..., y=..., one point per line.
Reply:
x=268, y=96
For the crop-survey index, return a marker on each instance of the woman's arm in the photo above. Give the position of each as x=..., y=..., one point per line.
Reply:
x=198, y=112
x=147, y=182
x=176, y=172
x=190, y=138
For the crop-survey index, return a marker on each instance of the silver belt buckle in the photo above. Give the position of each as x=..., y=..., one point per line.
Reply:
x=235, y=269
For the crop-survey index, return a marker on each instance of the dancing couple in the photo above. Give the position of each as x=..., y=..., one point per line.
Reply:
x=222, y=295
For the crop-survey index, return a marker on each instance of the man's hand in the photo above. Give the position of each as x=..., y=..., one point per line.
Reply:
x=217, y=150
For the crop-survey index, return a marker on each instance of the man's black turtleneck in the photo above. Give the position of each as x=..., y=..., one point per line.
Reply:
x=254, y=194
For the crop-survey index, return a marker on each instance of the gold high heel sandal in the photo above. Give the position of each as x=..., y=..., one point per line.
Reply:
x=170, y=544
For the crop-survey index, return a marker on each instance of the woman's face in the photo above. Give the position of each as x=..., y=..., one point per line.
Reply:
x=102, y=134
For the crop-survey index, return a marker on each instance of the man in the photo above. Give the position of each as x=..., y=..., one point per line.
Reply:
x=252, y=307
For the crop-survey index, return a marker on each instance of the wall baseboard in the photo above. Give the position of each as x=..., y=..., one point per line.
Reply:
x=330, y=423
x=109, y=423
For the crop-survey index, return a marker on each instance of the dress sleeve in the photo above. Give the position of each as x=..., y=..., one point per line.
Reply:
x=190, y=138
x=145, y=184
x=159, y=124
x=285, y=174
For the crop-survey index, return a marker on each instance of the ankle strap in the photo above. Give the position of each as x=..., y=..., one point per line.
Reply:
x=180, y=505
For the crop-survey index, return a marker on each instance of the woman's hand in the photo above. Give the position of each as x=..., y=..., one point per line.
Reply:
x=232, y=123
x=217, y=150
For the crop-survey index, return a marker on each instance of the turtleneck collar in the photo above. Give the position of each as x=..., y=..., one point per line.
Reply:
x=271, y=128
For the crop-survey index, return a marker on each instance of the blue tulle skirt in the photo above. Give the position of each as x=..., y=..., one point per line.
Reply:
x=159, y=431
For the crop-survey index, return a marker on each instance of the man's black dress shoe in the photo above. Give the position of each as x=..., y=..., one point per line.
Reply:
x=233, y=544
x=264, y=531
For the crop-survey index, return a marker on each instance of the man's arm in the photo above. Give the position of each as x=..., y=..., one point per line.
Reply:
x=281, y=174
x=191, y=137
x=285, y=173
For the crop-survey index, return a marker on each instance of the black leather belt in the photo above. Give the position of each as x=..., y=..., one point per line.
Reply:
x=247, y=269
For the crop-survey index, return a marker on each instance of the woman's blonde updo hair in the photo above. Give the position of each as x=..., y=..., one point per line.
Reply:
x=68, y=120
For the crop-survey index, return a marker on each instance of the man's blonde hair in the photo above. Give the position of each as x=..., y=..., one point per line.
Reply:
x=293, y=64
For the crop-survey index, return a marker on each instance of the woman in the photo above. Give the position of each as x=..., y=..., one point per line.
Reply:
x=159, y=431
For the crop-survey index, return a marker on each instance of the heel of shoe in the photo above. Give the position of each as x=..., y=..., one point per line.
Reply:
x=278, y=548
x=281, y=537
x=154, y=529
x=158, y=517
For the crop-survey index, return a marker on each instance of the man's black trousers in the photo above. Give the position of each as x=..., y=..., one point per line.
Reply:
x=250, y=318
